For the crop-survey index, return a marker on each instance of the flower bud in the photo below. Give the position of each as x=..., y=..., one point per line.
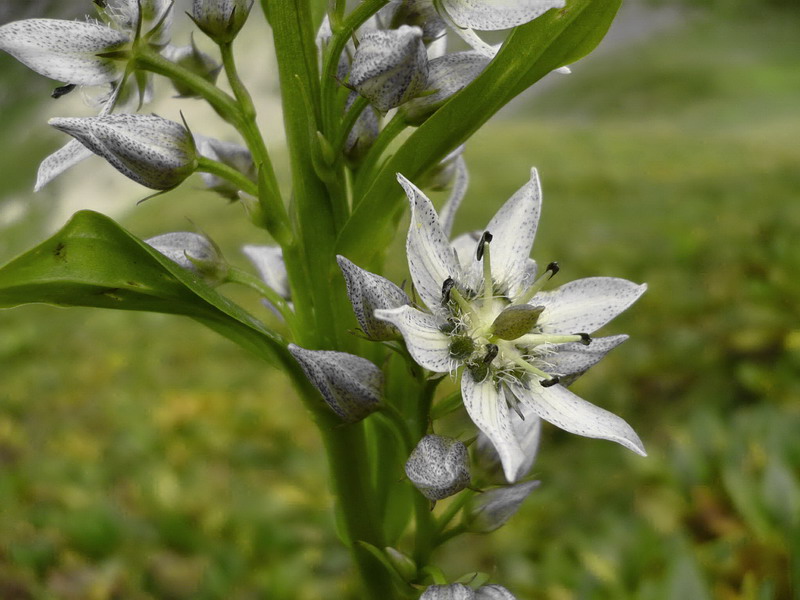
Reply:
x=491, y=510
x=368, y=292
x=228, y=153
x=221, y=20
x=351, y=385
x=438, y=467
x=364, y=132
x=446, y=76
x=493, y=592
x=194, y=252
x=421, y=13
x=404, y=565
x=192, y=59
x=152, y=151
x=454, y=591
x=390, y=67
x=271, y=267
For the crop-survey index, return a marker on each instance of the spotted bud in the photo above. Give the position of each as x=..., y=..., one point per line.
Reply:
x=516, y=320
x=438, y=467
x=194, y=252
x=268, y=260
x=364, y=132
x=453, y=591
x=491, y=509
x=493, y=592
x=368, y=292
x=232, y=155
x=192, y=59
x=390, y=67
x=446, y=76
x=421, y=13
x=152, y=151
x=221, y=20
x=350, y=385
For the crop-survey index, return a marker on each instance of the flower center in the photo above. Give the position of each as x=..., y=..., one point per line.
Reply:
x=493, y=336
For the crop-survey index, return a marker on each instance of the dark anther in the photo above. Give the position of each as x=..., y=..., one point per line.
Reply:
x=491, y=353
x=100, y=3
x=448, y=285
x=549, y=382
x=553, y=268
x=62, y=90
x=485, y=239
x=586, y=339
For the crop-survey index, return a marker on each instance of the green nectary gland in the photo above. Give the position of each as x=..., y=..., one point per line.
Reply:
x=461, y=347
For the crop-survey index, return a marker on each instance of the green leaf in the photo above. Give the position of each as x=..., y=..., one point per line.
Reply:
x=93, y=261
x=553, y=40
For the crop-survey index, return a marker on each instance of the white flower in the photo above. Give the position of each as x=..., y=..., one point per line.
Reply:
x=513, y=342
x=465, y=15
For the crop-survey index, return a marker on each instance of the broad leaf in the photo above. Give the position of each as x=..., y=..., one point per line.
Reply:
x=93, y=261
x=557, y=38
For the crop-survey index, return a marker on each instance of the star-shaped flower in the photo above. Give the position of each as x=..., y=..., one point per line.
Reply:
x=514, y=344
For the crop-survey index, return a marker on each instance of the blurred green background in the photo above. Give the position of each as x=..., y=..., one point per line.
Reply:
x=142, y=456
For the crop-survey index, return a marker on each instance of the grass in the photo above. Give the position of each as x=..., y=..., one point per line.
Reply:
x=144, y=457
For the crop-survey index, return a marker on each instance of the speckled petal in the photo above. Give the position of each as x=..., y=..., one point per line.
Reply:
x=557, y=405
x=489, y=412
x=514, y=228
x=431, y=259
x=426, y=343
x=59, y=161
x=65, y=50
x=585, y=305
x=572, y=360
x=493, y=592
x=453, y=591
x=490, y=15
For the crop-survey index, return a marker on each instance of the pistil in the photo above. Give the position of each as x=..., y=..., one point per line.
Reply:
x=484, y=254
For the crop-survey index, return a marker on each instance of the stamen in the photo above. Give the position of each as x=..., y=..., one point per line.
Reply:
x=549, y=382
x=462, y=303
x=537, y=285
x=491, y=353
x=447, y=286
x=537, y=339
x=513, y=403
x=484, y=253
x=521, y=362
x=62, y=90
x=586, y=339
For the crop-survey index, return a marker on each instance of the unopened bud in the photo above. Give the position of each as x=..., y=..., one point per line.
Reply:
x=493, y=592
x=351, y=385
x=192, y=59
x=230, y=154
x=368, y=292
x=194, y=252
x=438, y=467
x=271, y=267
x=446, y=76
x=152, y=151
x=491, y=510
x=390, y=67
x=221, y=20
x=364, y=132
x=421, y=13
x=453, y=591
x=404, y=565
x=516, y=320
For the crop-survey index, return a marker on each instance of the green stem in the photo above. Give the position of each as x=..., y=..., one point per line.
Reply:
x=270, y=197
x=349, y=121
x=228, y=173
x=452, y=510
x=236, y=275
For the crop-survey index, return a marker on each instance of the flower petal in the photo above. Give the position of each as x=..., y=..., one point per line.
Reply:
x=490, y=15
x=59, y=161
x=64, y=50
x=425, y=342
x=557, y=405
x=431, y=259
x=585, y=305
x=489, y=412
x=572, y=360
x=513, y=229
x=460, y=183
